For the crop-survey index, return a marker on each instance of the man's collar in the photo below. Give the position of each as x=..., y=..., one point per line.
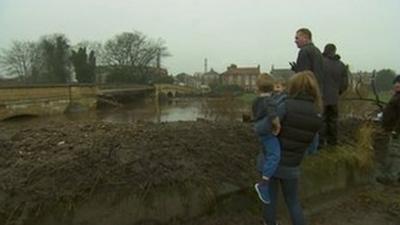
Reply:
x=310, y=43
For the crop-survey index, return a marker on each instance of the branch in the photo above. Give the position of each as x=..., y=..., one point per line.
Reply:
x=373, y=84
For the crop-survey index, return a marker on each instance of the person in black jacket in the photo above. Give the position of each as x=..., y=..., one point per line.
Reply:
x=391, y=113
x=309, y=57
x=390, y=166
x=301, y=120
x=335, y=83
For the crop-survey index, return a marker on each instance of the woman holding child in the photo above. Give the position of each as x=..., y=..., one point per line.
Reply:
x=300, y=120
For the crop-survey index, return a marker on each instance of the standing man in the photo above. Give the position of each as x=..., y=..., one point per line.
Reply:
x=390, y=172
x=335, y=82
x=309, y=57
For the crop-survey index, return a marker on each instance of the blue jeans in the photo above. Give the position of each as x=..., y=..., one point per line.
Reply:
x=272, y=154
x=289, y=189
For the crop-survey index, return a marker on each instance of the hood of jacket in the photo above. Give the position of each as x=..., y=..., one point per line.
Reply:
x=335, y=57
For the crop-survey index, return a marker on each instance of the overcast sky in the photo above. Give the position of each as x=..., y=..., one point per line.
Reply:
x=244, y=32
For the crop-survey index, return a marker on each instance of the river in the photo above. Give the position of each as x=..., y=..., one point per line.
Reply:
x=146, y=109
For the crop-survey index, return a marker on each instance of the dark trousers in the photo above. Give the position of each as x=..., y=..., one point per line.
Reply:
x=329, y=134
x=289, y=190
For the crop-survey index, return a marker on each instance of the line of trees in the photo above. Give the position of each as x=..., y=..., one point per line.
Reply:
x=128, y=57
x=384, y=80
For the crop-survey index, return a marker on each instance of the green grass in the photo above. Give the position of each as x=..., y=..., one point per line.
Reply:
x=247, y=97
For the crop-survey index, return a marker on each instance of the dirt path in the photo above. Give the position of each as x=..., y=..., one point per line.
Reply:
x=372, y=206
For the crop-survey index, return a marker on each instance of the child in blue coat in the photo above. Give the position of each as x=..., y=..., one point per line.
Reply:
x=267, y=127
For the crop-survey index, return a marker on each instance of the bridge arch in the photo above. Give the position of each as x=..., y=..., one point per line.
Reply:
x=171, y=90
x=19, y=116
x=170, y=94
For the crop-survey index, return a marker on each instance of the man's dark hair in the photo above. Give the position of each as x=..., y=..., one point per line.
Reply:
x=306, y=32
x=329, y=50
x=396, y=79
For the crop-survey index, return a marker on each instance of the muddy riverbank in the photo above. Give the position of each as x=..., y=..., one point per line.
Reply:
x=61, y=165
x=67, y=162
x=370, y=205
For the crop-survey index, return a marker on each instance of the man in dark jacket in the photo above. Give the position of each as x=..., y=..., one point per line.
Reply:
x=335, y=82
x=391, y=114
x=390, y=166
x=309, y=57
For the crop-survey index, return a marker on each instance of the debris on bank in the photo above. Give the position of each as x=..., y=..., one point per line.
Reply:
x=66, y=162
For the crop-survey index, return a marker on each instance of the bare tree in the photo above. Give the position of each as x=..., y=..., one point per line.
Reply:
x=162, y=52
x=126, y=49
x=19, y=60
x=131, y=54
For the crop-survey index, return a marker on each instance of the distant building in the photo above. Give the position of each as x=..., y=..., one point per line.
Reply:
x=211, y=77
x=198, y=75
x=281, y=73
x=188, y=80
x=157, y=71
x=245, y=77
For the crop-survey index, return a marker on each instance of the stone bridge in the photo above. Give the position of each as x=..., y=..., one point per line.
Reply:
x=112, y=90
x=38, y=100
x=171, y=90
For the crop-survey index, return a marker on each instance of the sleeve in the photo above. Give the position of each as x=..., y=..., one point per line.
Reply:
x=303, y=61
x=344, y=83
x=281, y=110
x=391, y=118
x=271, y=106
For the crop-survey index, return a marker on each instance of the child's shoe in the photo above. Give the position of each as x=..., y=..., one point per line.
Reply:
x=262, y=189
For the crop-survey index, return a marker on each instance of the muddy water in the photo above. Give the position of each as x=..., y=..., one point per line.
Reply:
x=180, y=109
x=146, y=109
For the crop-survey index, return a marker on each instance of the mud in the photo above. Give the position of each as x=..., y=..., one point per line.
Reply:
x=45, y=165
x=67, y=162
x=366, y=206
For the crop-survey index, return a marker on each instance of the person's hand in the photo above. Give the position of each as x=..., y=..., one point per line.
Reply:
x=276, y=128
x=293, y=66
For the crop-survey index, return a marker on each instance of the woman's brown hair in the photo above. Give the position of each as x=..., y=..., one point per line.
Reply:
x=305, y=83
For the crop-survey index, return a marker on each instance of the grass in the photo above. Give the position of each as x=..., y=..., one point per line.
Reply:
x=386, y=199
x=359, y=155
x=247, y=97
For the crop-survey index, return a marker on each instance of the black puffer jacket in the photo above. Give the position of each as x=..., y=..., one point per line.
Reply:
x=299, y=126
